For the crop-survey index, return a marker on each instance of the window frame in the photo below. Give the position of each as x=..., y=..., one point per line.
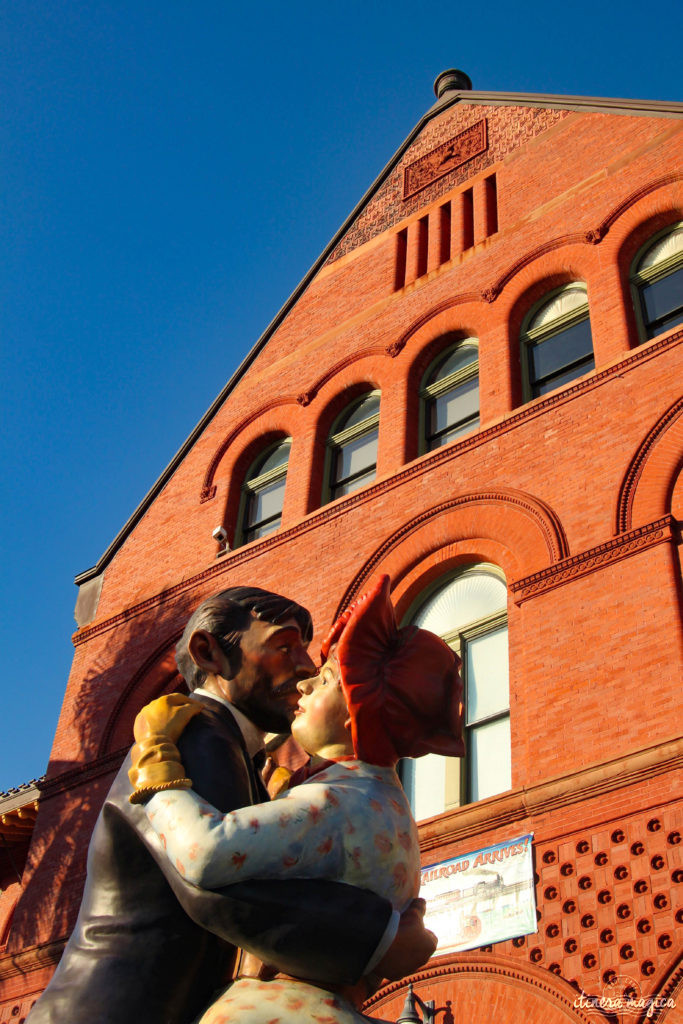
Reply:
x=638, y=279
x=457, y=640
x=530, y=338
x=252, y=485
x=430, y=392
x=338, y=439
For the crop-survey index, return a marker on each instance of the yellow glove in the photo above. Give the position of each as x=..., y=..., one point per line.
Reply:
x=278, y=780
x=156, y=758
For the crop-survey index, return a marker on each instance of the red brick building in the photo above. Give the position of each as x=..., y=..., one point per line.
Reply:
x=477, y=389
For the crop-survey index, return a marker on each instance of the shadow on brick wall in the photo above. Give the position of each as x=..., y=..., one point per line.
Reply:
x=134, y=666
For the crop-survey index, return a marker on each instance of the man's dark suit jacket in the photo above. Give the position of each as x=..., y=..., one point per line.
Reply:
x=149, y=947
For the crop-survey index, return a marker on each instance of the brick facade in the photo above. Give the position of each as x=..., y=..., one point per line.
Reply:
x=576, y=496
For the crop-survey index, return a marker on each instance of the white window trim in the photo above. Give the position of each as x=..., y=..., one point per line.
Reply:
x=638, y=278
x=443, y=386
x=547, y=331
x=338, y=438
x=252, y=485
x=456, y=640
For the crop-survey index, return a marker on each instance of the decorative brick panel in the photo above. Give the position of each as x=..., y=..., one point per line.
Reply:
x=508, y=129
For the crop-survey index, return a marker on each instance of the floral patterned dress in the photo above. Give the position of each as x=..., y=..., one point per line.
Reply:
x=350, y=823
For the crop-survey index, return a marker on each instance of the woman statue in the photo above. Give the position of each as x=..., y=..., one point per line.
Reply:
x=382, y=693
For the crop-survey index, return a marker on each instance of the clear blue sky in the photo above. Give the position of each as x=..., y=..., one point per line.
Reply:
x=170, y=171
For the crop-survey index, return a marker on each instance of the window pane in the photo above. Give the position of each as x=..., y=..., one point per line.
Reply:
x=462, y=601
x=352, y=485
x=555, y=353
x=264, y=529
x=664, y=297
x=266, y=502
x=464, y=356
x=356, y=456
x=424, y=782
x=490, y=767
x=367, y=408
x=488, y=690
x=455, y=406
x=450, y=435
x=568, y=300
x=557, y=380
x=278, y=457
x=664, y=249
x=665, y=324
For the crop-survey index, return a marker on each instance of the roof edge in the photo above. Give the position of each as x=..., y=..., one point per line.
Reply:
x=19, y=796
x=656, y=108
x=587, y=103
x=284, y=310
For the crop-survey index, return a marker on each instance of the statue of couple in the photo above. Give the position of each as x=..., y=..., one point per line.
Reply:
x=189, y=859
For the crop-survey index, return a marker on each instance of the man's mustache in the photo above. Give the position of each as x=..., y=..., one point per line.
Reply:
x=289, y=686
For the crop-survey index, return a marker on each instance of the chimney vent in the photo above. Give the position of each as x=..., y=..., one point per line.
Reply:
x=451, y=80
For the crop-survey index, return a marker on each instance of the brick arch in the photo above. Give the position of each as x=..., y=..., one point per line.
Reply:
x=643, y=222
x=158, y=675
x=307, y=396
x=353, y=379
x=635, y=198
x=583, y=238
x=669, y=992
x=539, y=281
x=260, y=416
x=347, y=391
x=648, y=484
x=510, y=528
x=431, y=350
x=441, y=319
x=568, y=265
x=632, y=224
x=480, y=987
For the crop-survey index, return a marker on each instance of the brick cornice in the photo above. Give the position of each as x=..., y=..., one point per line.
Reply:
x=418, y=468
x=108, y=764
x=31, y=959
x=626, y=544
x=552, y=795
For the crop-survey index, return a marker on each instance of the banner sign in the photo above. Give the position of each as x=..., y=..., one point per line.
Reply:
x=482, y=897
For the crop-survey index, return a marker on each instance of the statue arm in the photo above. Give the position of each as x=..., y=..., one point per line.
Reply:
x=323, y=930
x=298, y=836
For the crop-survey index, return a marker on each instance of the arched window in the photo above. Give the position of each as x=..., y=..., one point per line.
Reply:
x=263, y=493
x=557, y=345
x=470, y=612
x=352, y=447
x=450, y=395
x=657, y=283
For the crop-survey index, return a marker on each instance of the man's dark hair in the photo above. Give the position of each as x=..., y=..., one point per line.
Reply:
x=227, y=615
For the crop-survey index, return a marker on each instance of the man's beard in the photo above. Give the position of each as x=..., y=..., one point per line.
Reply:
x=269, y=714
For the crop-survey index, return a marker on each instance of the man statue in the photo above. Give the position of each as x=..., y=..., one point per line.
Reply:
x=149, y=946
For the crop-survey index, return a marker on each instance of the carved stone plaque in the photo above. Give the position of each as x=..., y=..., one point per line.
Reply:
x=446, y=157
